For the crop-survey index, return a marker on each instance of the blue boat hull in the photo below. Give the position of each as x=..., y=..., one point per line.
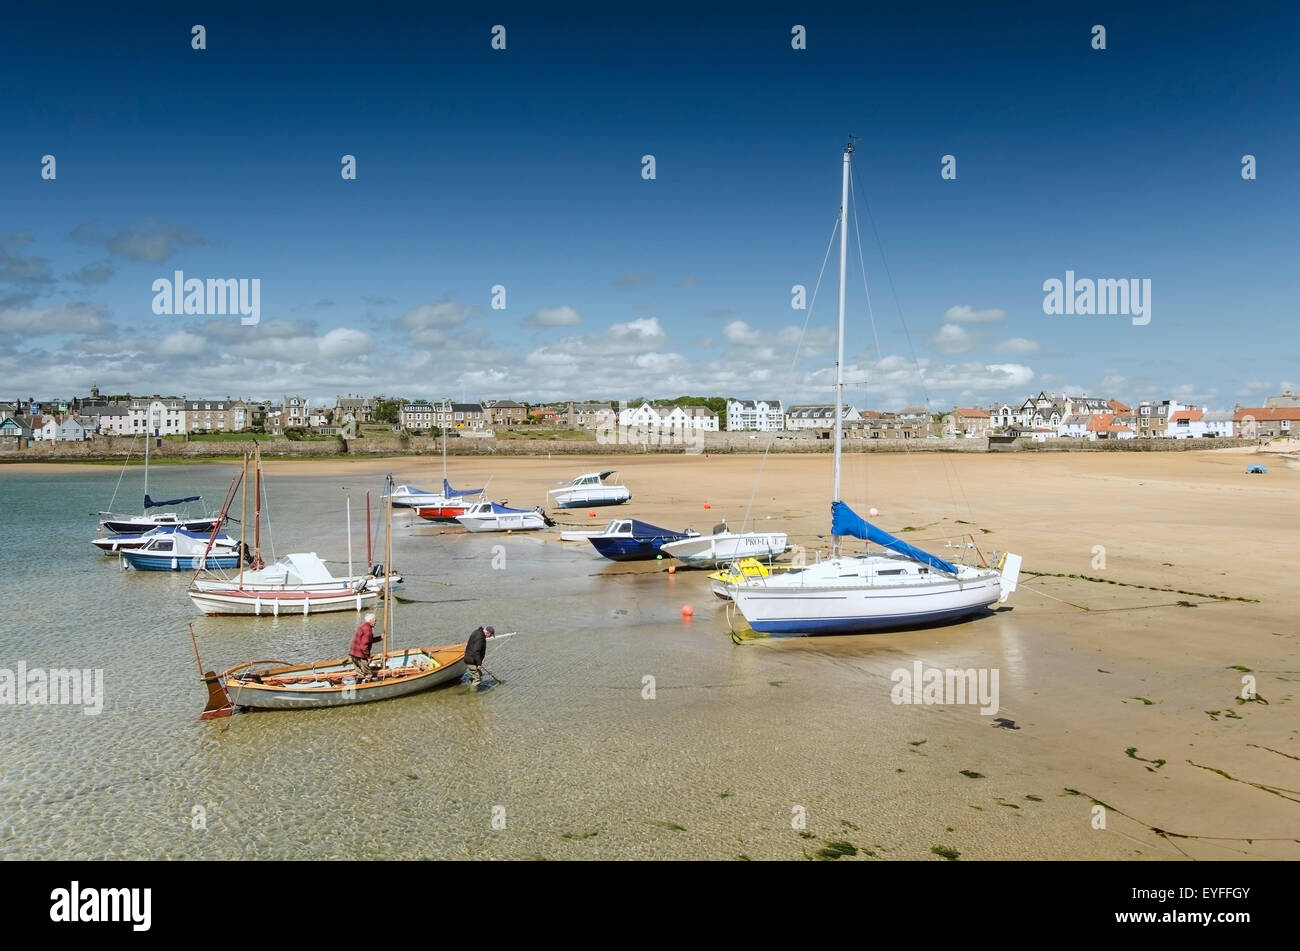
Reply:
x=149, y=562
x=592, y=505
x=631, y=549
x=815, y=626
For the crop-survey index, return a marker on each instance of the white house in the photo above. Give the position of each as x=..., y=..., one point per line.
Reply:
x=820, y=416
x=1074, y=427
x=1218, y=423
x=156, y=414
x=72, y=429
x=669, y=419
x=45, y=429
x=1185, y=424
x=761, y=415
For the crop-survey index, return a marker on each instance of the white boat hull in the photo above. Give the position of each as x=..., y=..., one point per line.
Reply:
x=281, y=603
x=835, y=597
x=571, y=498
x=503, y=522
x=710, y=551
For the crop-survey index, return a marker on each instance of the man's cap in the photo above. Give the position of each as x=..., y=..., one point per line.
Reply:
x=489, y=630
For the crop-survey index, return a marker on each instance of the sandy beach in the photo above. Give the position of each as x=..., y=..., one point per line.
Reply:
x=1123, y=682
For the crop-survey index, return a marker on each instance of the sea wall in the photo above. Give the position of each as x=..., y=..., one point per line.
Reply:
x=106, y=448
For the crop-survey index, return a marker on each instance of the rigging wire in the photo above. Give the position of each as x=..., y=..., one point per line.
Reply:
x=120, y=474
x=812, y=305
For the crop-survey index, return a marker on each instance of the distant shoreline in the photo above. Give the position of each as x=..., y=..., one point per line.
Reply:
x=309, y=453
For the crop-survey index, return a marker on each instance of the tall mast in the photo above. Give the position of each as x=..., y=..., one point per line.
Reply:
x=839, y=358
x=388, y=572
x=243, y=521
x=349, y=539
x=148, y=438
x=257, y=510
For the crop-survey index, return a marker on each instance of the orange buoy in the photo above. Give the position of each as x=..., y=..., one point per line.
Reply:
x=707, y=505
x=591, y=514
x=672, y=569
x=687, y=610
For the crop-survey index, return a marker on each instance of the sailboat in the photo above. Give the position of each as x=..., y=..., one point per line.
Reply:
x=854, y=594
x=280, y=685
x=299, y=583
x=137, y=524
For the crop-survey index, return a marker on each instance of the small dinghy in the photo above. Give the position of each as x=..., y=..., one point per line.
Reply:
x=276, y=685
x=629, y=539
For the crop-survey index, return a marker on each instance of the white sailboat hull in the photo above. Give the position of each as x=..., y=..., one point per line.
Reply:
x=279, y=603
x=708, y=551
x=839, y=597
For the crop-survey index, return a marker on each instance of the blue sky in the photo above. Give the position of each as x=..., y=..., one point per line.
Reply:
x=478, y=167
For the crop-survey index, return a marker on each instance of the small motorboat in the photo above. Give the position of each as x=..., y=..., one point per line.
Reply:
x=112, y=544
x=590, y=489
x=495, y=517
x=723, y=547
x=181, y=550
x=1256, y=469
x=630, y=539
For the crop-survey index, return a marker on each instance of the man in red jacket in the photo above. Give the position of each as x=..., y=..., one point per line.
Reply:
x=361, y=641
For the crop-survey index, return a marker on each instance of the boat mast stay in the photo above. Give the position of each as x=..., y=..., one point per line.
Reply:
x=839, y=357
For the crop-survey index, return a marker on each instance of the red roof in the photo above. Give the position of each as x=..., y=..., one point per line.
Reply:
x=1119, y=407
x=1191, y=415
x=974, y=413
x=1100, y=422
x=1267, y=414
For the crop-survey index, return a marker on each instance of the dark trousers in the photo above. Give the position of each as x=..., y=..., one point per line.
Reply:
x=363, y=665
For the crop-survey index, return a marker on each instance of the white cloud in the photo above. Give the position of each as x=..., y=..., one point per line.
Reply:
x=1019, y=345
x=643, y=328
x=740, y=332
x=344, y=342
x=951, y=339
x=63, y=318
x=181, y=343
x=564, y=316
x=966, y=313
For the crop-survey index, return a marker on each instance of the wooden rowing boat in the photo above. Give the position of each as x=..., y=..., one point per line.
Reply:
x=276, y=685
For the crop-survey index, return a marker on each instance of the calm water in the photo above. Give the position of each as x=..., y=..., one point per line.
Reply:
x=580, y=763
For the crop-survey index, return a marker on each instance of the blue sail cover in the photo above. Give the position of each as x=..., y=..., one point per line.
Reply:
x=151, y=504
x=844, y=521
x=450, y=493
